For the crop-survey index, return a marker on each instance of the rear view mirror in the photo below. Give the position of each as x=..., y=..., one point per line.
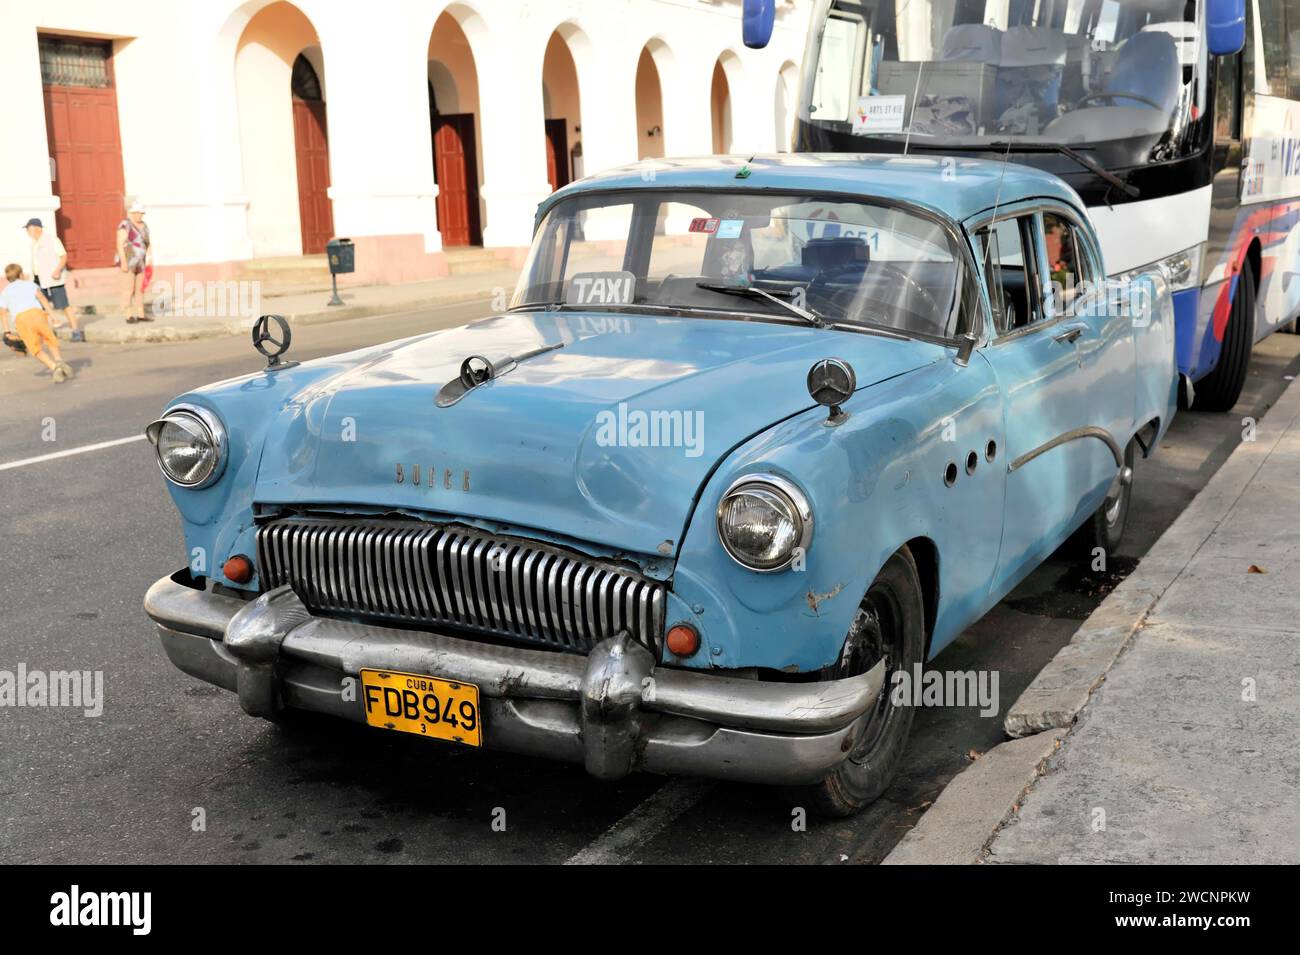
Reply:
x=1225, y=26
x=757, y=20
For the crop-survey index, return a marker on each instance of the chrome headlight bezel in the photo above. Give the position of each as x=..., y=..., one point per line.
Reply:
x=795, y=501
x=212, y=428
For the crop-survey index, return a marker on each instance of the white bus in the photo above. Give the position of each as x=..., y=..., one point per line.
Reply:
x=1176, y=121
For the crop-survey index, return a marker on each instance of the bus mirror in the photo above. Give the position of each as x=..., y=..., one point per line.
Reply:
x=1225, y=26
x=758, y=18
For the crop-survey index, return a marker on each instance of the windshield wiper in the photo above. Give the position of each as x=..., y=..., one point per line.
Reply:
x=1087, y=162
x=753, y=291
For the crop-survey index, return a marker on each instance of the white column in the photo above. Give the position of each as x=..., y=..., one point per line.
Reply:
x=512, y=132
x=688, y=113
x=377, y=108
x=607, y=88
x=25, y=187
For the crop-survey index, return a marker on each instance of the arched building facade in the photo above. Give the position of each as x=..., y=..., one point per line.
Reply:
x=259, y=129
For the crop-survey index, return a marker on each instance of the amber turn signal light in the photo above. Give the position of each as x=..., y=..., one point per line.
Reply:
x=683, y=640
x=238, y=569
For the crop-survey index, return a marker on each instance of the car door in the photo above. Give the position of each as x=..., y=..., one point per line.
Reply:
x=1081, y=299
x=1048, y=368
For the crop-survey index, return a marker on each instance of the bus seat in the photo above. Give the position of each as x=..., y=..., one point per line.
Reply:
x=1147, y=64
x=972, y=42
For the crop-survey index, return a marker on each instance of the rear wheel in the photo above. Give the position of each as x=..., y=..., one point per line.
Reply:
x=1220, y=389
x=1105, y=529
x=890, y=626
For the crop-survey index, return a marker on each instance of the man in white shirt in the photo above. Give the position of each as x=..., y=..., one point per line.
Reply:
x=49, y=270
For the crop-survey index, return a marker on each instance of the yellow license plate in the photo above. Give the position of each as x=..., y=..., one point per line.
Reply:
x=423, y=705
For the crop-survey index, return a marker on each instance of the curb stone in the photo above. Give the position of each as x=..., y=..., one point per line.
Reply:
x=971, y=808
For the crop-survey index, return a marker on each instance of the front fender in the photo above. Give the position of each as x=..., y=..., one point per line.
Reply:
x=875, y=482
x=217, y=521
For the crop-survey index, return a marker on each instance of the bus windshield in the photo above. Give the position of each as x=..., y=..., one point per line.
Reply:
x=970, y=72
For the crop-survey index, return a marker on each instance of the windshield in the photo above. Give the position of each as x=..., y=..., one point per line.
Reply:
x=967, y=72
x=718, y=254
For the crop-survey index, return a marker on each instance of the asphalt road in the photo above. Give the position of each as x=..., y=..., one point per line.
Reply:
x=83, y=536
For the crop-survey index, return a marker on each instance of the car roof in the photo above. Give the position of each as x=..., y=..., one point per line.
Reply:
x=954, y=187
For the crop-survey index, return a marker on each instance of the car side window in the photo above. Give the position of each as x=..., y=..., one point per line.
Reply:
x=1069, y=267
x=1007, y=252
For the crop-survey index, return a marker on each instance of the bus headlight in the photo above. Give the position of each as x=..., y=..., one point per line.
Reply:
x=762, y=520
x=1182, y=270
x=190, y=443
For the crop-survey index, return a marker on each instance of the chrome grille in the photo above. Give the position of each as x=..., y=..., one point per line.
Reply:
x=426, y=574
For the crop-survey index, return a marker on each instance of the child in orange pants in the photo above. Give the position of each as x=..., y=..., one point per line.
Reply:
x=26, y=303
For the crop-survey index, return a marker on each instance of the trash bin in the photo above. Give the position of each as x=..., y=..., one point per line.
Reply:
x=342, y=255
x=343, y=260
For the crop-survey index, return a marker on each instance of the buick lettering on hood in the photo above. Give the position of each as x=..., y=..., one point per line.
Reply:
x=750, y=440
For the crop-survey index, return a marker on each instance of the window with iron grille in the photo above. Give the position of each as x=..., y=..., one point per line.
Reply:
x=67, y=62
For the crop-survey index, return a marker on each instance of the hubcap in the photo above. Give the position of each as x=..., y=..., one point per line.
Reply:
x=876, y=634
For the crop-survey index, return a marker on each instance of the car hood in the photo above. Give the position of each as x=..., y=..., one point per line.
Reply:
x=606, y=439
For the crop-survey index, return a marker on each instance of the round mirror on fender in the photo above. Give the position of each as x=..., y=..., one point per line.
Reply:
x=831, y=382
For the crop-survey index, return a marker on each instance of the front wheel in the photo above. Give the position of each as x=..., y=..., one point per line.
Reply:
x=889, y=625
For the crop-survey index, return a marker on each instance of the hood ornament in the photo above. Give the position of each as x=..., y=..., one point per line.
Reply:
x=477, y=370
x=273, y=344
x=831, y=382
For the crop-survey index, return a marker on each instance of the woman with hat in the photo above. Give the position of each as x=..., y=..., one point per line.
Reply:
x=133, y=255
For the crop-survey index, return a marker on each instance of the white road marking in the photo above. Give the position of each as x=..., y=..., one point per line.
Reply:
x=643, y=823
x=71, y=451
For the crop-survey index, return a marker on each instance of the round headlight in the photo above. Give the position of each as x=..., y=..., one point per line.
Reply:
x=762, y=520
x=190, y=444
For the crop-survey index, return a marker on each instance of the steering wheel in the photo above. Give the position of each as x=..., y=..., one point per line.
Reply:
x=907, y=280
x=1114, y=95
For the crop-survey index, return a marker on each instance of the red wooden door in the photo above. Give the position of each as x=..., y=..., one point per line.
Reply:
x=81, y=124
x=455, y=169
x=557, y=153
x=312, y=146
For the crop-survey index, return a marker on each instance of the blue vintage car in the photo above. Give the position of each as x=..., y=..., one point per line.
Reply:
x=751, y=439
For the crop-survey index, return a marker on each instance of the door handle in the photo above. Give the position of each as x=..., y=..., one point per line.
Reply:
x=1069, y=335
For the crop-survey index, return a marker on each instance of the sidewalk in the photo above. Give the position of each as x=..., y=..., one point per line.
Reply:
x=1187, y=678
x=302, y=308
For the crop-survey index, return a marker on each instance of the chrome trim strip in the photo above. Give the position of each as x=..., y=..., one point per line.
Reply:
x=1087, y=432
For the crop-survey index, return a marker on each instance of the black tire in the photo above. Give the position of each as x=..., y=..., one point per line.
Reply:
x=1105, y=529
x=891, y=623
x=1220, y=389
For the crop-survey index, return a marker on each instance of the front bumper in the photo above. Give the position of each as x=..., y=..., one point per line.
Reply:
x=613, y=710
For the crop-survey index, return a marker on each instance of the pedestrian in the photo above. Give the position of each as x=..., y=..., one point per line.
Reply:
x=134, y=254
x=49, y=271
x=24, y=301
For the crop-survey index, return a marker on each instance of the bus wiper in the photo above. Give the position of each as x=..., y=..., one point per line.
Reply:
x=1087, y=162
x=753, y=291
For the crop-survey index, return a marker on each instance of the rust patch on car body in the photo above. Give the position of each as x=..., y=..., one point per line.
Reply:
x=815, y=600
